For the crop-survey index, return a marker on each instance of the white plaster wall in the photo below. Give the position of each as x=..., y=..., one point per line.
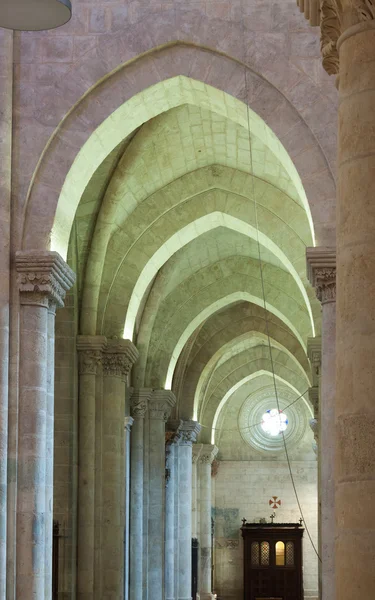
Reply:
x=243, y=489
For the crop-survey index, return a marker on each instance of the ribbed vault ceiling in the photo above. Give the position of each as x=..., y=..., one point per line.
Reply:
x=167, y=237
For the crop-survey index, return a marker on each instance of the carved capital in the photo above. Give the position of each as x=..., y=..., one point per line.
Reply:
x=335, y=18
x=321, y=271
x=188, y=432
x=43, y=278
x=325, y=286
x=119, y=357
x=160, y=404
x=139, y=402
x=173, y=433
x=90, y=352
x=207, y=454
x=330, y=31
x=364, y=10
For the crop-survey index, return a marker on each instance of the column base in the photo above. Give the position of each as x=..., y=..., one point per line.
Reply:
x=204, y=596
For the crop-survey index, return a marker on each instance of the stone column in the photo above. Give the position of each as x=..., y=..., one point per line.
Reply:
x=196, y=451
x=355, y=406
x=43, y=279
x=139, y=406
x=314, y=352
x=6, y=118
x=207, y=455
x=90, y=350
x=188, y=434
x=49, y=446
x=171, y=483
x=128, y=422
x=118, y=358
x=160, y=406
x=322, y=275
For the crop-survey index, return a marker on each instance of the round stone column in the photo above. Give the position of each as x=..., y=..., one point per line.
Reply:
x=128, y=422
x=7, y=496
x=171, y=483
x=43, y=279
x=49, y=446
x=207, y=455
x=355, y=406
x=118, y=358
x=160, y=406
x=322, y=274
x=196, y=451
x=139, y=406
x=314, y=352
x=90, y=349
x=188, y=434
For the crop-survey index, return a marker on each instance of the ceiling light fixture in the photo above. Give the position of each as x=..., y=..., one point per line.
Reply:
x=34, y=15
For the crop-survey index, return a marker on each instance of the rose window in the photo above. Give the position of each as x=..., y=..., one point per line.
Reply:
x=274, y=422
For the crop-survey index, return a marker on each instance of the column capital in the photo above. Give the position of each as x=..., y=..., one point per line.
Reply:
x=208, y=453
x=161, y=403
x=119, y=357
x=197, y=449
x=43, y=278
x=321, y=272
x=188, y=432
x=139, y=402
x=90, y=352
x=128, y=422
x=338, y=21
x=172, y=434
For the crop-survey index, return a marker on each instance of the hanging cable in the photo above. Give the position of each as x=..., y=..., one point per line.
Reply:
x=263, y=286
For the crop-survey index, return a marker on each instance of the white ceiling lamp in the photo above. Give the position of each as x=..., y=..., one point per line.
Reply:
x=34, y=15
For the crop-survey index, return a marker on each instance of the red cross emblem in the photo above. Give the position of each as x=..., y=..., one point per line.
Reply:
x=275, y=502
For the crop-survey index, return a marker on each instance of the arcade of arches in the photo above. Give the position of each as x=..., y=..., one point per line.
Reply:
x=175, y=190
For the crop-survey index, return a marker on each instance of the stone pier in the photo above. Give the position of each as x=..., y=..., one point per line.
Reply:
x=90, y=350
x=355, y=382
x=207, y=455
x=321, y=267
x=188, y=432
x=161, y=403
x=139, y=407
x=43, y=279
x=118, y=358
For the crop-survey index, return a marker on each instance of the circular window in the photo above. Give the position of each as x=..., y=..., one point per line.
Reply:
x=274, y=422
x=260, y=423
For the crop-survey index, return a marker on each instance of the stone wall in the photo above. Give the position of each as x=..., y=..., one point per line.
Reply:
x=243, y=489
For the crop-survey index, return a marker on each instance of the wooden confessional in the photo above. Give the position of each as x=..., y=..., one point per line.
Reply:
x=272, y=561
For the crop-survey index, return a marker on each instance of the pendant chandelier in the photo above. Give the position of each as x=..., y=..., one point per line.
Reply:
x=34, y=15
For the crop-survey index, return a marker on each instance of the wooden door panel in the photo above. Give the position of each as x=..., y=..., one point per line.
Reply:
x=272, y=578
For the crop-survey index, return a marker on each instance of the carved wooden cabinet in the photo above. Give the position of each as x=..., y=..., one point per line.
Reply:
x=272, y=561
